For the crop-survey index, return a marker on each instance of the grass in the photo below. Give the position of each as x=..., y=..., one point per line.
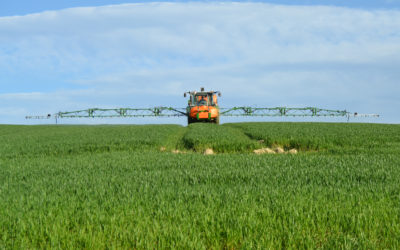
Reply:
x=35, y=141
x=222, y=139
x=111, y=187
x=332, y=137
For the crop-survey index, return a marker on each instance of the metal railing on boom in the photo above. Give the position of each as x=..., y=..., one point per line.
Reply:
x=178, y=112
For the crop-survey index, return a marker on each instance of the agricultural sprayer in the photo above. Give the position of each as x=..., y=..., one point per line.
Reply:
x=202, y=107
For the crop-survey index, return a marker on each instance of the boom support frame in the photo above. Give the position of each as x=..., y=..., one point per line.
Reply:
x=176, y=112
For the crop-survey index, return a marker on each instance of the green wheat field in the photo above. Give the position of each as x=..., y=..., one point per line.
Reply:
x=152, y=187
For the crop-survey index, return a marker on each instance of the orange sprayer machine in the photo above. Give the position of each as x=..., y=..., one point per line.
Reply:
x=203, y=106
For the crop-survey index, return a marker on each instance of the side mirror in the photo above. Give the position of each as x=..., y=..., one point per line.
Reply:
x=184, y=94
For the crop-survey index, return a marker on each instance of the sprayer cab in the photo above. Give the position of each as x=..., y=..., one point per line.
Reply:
x=203, y=106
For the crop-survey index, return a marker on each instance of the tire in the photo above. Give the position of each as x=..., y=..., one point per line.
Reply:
x=217, y=120
x=191, y=120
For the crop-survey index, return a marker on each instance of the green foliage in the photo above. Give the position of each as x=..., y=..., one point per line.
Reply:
x=111, y=187
x=201, y=136
x=36, y=141
x=332, y=137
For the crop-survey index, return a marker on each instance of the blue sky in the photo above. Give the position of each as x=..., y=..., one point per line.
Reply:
x=18, y=7
x=329, y=54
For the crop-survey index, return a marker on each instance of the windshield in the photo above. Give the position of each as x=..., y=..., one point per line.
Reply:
x=203, y=100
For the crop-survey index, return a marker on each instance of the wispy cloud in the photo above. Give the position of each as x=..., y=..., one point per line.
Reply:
x=147, y=54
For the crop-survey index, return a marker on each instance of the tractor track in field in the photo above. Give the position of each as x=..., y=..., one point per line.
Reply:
x=209, y=139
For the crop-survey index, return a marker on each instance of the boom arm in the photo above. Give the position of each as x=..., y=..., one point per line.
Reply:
x=119, y=112
x=282, y=111
x=175, y=112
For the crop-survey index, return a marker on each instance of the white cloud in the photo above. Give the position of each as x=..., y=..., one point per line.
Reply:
x=145, y=54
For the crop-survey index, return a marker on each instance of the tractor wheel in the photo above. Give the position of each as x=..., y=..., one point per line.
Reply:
x=217, y=120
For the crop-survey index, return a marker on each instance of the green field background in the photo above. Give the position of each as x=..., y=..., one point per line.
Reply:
x=127, y=187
